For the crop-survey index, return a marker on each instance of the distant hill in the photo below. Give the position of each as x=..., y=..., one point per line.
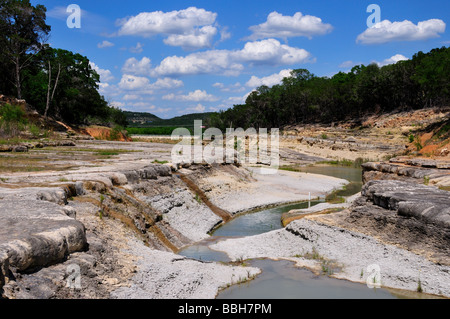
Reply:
x=137, y=119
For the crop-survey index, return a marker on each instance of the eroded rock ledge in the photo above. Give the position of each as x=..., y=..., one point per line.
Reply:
x=413, y=216
x=433, y=172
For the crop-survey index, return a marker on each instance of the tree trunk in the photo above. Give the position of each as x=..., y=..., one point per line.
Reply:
x=47, y=105
x=17, y=79
x=50, y=99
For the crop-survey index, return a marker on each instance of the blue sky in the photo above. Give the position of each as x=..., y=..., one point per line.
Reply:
x=177, y=57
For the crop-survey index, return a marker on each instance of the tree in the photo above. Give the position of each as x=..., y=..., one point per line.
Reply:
x=23, y=32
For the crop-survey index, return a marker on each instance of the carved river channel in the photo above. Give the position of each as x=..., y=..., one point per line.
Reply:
x=281, y=279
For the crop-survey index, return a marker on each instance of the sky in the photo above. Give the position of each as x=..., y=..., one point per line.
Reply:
x=172, y=58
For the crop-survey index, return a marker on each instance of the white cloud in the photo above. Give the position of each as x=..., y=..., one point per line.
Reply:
x=237, y=99
x=105, y=44
x=139, y=48
x=199, y=38
x=118, y=104
x=105, y=75
x=195, y=96
x=197, y=109
x=280, y=26
x=136, y=67
x=387, y=31
x=270, y=80
x=133, y=83
x=142, y=85
x=166, y=83
x=224, y=34
x=131, y=97
x=237, y=87
x=348, y=64
x=392, y=60
x=208, y=62
x=271, y=51
x=228, y=62
x=190, y=28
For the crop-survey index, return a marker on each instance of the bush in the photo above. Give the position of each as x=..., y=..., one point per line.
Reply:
x=12, y=120
x=12, y=114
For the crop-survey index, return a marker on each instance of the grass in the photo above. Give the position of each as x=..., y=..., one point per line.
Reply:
x=160, y=162
x=108, y=153
x=290, y=169
x=443, y=131
x=328, y=267
x=346, y=163
x=158, y=131
x=419, y=286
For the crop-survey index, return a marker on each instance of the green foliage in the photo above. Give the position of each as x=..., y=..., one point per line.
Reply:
x=160, y=162
x=55, y=82
x=12, y=114
x=12, y=120
x=423, y=81
x=150, y=130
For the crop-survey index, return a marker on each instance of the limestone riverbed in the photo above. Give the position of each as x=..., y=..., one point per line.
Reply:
x=123, y=214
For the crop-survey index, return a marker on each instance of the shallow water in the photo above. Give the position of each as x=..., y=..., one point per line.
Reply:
x=259, y=222
x=281, y=279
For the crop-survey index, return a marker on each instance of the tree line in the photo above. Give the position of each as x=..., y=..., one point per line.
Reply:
x=421, y=82
x=56, y=82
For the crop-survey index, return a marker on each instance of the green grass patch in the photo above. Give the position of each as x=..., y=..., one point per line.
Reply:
x=290, y=169
x=160, y=162
x=108, y=153
x=152, y=130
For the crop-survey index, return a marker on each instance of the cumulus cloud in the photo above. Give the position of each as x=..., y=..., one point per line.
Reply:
x=387, y=31
x=392, y=60
x=230, y=62
x=270, y=80
x=142, y=85
x=105, y=75
x=105, y=44
x=136, y=67
x=280, y=26
x=199, y=108
x=196, y=96
x=190, y=28
x=271, y=51
x=134, y=83
x=200, y=38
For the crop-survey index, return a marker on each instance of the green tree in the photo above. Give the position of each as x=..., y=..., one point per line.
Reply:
x=23, y=32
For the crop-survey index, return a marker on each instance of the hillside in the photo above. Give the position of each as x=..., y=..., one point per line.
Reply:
x=137, y=119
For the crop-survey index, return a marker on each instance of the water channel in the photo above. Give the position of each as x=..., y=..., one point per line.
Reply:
x=281, y=279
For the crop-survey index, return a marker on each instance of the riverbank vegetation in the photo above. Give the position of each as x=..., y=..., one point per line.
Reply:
x=423, y=81
x=55, y=82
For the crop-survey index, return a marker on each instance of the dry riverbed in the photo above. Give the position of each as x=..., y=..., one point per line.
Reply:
x=134, y=211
